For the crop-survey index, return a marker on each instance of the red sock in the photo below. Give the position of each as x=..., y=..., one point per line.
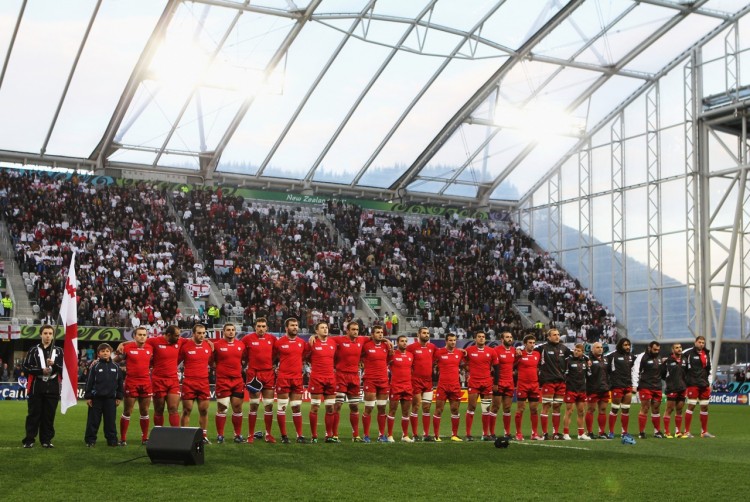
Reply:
x=580, y=431
x=545, y=423
x=335, y=423
x=566, y=430
x=519, y=421
x=485, y=424
x=158, y=420
x=281, y=420
x=144, y=420
x=535, y=424
x=455, y=420
x=329, y=418
x=381, y=424
x=426, y=424
x=506, y=423
x=414, y=421
x=655, y=421
x=666, y=424
x=624, y=420
x=493, y=421
x=470, y=421
x=366, y=421
x=405, y=426
x=354, y=420
x=297, y=419
x=704, y=421
x=555, y=423
x=252, y=418
x=314, y=424
x=124, y=423
x=641, y=423
x=268, y=421
x=174, y=419
x=391, y=425
x=678, y=422
x=589, y=421
x=612, y=421
x=221, y=420
x=601, y=420
x=436, y=425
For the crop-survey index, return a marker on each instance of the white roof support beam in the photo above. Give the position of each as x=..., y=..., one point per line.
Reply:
x=12, y=42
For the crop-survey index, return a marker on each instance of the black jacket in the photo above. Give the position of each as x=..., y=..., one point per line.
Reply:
x=575, y=373
x=647, y=371
x=552, y=362
x=696, y=374
x=104, y=381
x=32, y=365
x=619, y=366
x=597, y=379
x=673, y=375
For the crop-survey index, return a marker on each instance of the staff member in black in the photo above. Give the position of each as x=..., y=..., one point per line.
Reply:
x=43, y=365
x=103, y=395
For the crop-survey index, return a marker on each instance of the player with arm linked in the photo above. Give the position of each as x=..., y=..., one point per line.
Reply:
x=696, y=361
x=576, y=367
x=375, y=354
x=673, y=374
x=503, y=393
x=482, y=364
x=164, y=379
x=196, y=355
x=400, y=363
x=423, y=351
x=552, y=380
x=259, y=354
x=290, y=351
x=647, y=379
x=229, y=354
x=597, y=392
x=137, y=358
x=527, y=367
x=322, y=384
x=619, y=370
x=448, y=363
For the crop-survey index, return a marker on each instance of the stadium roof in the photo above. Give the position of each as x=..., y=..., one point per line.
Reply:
x=471, y=100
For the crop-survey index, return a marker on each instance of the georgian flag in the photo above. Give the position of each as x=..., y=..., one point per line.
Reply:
x=69, y=317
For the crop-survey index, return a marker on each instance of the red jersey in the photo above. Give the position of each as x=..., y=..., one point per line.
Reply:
x=423, y=359
x=259, y=351
x=448, y=364
x=348, y=352
x=196, y=358
x=481, y=362
x=164, y=356
x=290, y=354
x=228, y=357
x=137, y=362
x=375, y=357
x=528, y=369
x=322, y=355
x=506, y=358
x=401, y=365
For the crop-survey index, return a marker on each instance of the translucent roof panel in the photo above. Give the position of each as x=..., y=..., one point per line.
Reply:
x=514, y=22
x=460, y=150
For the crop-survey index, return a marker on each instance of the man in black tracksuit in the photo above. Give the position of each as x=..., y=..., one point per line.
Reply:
x=103, y=395
x=647, y=379
x=619, y=367
x=43, y=365
x=552, y=380
x=696, y=361
x=597, y=390
x=673, y=375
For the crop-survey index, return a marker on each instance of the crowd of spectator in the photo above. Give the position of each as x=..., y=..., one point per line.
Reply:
x=131, y=257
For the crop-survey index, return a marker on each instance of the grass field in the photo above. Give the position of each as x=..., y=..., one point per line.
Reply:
x=653, y=469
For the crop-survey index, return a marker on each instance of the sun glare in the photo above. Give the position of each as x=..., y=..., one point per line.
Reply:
x=537, y=122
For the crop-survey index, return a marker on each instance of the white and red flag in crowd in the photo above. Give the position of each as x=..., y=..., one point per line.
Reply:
x=69, y=316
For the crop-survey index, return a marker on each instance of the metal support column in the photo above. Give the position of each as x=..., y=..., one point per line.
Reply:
x=653, y=214
x=585, y=239
x=619, y=270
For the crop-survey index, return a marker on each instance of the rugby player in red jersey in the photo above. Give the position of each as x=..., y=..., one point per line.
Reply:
x=230, y=388
x=322, y=384
x=576, y=367
x=448, y=361
x=348, y=354
x=400, y=363
x=421, y=382
x=552, y=380
x=506, y=357
x=164, y=379
x=137, y=357
x=527, y=367
x=259, y=355
x=196, y=354
x=289, y=351
x=375, y=359
x=482, y=362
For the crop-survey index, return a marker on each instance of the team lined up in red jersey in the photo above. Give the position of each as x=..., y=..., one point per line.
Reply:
x=400, y=377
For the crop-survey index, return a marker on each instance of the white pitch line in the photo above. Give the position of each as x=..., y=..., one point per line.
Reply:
x=549, y=445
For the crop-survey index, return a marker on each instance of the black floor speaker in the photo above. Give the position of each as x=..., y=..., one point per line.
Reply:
x=176, y=445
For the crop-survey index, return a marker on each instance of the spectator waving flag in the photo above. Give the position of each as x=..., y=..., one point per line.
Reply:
x=69, y=316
